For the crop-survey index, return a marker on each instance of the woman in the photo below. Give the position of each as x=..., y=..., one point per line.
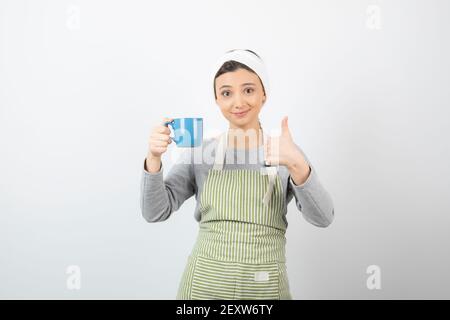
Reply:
x=241, y=206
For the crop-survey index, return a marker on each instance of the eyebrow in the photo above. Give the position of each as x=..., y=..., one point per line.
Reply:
x=244, y=84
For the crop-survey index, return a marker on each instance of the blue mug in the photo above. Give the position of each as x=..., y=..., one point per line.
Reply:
x=188, y=132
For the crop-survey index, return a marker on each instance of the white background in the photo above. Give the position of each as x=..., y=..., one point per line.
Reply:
x=365, y=85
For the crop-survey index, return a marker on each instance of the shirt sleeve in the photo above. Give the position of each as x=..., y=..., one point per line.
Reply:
x=160, y=197
x=312, y=199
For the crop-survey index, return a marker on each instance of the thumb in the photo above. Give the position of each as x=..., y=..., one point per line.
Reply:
x=285, y=126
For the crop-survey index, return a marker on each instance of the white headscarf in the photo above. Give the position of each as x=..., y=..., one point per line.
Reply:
x=250, y=60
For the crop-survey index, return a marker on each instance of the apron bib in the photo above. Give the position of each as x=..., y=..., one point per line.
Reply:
x=240, y=248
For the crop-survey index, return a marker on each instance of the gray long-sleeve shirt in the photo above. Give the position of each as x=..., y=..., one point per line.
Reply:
x=160, y=197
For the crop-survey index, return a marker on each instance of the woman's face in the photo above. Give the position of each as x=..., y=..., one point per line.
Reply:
x=240, y=96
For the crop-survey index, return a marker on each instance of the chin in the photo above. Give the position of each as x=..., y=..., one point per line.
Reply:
x=242, y=122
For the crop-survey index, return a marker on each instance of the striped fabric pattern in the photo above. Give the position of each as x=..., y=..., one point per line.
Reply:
x=240, y=248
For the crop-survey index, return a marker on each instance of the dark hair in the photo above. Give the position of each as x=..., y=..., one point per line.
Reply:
x=230, y=66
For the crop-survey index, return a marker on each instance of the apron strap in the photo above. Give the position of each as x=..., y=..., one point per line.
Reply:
x=219, y=161
x=272, y=173
x=220, y=151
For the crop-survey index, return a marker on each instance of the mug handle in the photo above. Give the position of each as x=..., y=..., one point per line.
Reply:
x=167, y=124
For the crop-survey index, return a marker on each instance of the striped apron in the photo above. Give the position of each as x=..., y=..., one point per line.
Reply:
x=240, y=248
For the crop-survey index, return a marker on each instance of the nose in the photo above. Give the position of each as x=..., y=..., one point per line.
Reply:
x=239, y=101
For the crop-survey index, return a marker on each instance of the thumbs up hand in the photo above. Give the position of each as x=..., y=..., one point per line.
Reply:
x=282, y=150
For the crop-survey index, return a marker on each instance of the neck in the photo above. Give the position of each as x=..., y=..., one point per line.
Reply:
x=245, y=138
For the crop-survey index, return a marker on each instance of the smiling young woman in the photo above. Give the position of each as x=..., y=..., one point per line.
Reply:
x=241, y=207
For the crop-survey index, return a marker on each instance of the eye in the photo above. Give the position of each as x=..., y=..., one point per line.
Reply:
x=249, y=90
x=224, y=93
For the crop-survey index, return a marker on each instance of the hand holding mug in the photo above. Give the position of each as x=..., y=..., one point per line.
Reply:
x=160, y=139
x=188, y=133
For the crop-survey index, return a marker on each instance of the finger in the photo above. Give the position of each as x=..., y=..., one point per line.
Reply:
x=275, y=145
x=273, y=160
x=168, y=140
x=160, y=149
x=166, y=120
x=162, y=129
x=159, y=143
x=162, y=137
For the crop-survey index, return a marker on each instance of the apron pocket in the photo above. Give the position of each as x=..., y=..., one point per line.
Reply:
x=258, y=281
x=215, y=279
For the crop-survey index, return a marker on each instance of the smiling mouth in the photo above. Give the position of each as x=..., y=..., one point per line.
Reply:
x=240, y=113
